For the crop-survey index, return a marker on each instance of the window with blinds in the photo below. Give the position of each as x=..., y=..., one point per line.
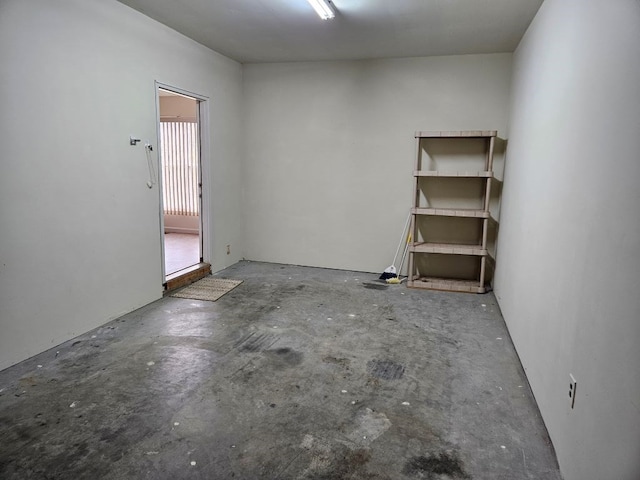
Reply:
x=179, y=153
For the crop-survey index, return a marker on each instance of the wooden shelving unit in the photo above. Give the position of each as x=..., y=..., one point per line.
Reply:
x=452, y=177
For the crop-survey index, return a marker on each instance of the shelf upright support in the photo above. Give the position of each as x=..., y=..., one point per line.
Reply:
x=413, y=227
x=489, y=168
x=487, y=200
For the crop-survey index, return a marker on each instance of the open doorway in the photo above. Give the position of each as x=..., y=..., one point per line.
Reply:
x=180, y=164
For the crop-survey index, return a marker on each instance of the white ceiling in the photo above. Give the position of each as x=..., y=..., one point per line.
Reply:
x=290, y=30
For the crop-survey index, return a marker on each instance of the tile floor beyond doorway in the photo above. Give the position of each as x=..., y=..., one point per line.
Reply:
x=181, y=250
x=299, y=373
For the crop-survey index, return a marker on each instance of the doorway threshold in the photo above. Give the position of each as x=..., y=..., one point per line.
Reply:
x=186, y=276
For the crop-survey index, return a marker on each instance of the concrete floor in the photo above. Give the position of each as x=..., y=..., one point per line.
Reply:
x=299, y=373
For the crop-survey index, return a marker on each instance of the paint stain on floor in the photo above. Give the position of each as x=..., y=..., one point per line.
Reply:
x=285, y=357
x=432, y=466
x=385, y=369
x=375, y=286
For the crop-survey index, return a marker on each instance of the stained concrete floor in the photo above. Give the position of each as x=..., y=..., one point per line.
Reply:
x=299, y=373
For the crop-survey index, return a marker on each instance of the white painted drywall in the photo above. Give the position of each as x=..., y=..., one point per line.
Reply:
x=329, y=149
x=568, y=267
x=80, y=235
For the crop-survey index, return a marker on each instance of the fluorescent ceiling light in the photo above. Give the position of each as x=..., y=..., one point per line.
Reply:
x=322, y=8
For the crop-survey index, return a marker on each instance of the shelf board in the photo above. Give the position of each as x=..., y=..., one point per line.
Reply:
x=449, y=285
x=437, y=173
x=451, y=212
x=463, y=134
x=448, y=249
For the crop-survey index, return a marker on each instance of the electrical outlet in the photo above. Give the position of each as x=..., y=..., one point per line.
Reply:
x=228, y=249
x=572, y=390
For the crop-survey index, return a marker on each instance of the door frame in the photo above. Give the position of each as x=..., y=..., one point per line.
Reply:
x=205, y=171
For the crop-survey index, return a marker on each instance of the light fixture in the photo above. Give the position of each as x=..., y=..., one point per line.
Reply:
x=323, y=8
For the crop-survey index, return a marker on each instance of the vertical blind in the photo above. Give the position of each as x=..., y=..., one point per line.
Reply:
x=179, y=155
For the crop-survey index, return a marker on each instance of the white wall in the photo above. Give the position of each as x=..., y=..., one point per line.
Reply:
x=330, y=149
x=80, y=236
x=568, y=277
